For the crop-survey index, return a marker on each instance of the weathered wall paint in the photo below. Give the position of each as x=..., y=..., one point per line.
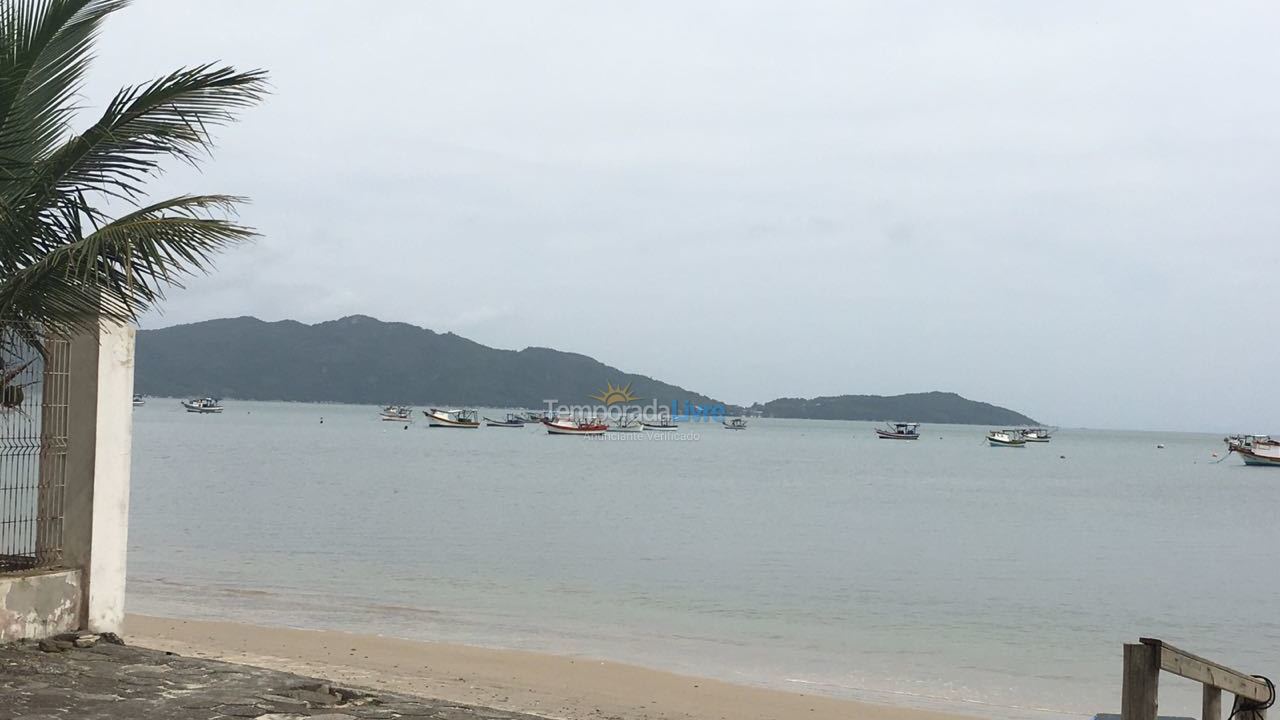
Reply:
x=96, y=506
x=39, y=604
x=96, y=526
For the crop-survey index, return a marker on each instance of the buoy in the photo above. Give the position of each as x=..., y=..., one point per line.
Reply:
x=1062, y=457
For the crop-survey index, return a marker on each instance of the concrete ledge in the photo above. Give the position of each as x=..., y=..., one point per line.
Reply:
x=39, y=604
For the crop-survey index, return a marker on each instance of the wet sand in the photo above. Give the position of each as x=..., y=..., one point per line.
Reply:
x=549, y=685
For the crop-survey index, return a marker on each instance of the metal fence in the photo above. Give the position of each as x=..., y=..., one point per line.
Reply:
x=34, y=391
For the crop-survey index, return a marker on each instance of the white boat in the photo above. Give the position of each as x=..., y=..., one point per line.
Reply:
x=451, y=418
x=1263, y=455
x=735, y=424
x=1035, y=434
x=512, y=421
x=1255, y=450
x=203, y=406
x=396, y=413
x=138, y=401
x=1006, y=438
x=1248, y=441
x=570, y=426
x=899, y=431
x=629, y=425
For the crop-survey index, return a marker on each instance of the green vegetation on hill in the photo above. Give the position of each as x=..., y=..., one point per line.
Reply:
x=930, y=407
x=360, y=359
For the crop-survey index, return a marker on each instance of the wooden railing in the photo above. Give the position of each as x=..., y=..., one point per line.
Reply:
x=1144, y=660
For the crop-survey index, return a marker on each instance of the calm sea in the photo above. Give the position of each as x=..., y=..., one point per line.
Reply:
x=804, y=555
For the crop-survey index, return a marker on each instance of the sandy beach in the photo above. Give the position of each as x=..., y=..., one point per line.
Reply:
x=548, y=685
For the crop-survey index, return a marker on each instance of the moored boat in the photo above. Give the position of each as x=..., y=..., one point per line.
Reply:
x=138, y=401
x=1248, y=441
x=660, y=424
x=396, y=413
x=1035, y=434
x=1255, y=450
x=1264, y=456
x=626, y=425
x=1006, y=438
x=899, y=431
x=735, y=424
x=203, y=406
x=512, y=421
x=570, y=426
x=451, y=418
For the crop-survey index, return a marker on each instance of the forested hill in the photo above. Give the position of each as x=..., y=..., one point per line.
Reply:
x=929, y=407
x=360, y=359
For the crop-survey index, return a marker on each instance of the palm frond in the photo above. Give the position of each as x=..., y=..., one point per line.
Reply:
x=123, y=268
x=143, y=125
x=45, y=49
x=64, y=263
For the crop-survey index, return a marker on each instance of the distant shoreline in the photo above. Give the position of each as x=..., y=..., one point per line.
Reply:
x=552, y=686
x=375, y=405
x=483, y=406
x=362, y=359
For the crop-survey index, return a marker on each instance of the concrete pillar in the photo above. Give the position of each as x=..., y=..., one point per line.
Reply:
x=99, y=441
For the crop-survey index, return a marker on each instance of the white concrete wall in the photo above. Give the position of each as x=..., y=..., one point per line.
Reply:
x=100, y=438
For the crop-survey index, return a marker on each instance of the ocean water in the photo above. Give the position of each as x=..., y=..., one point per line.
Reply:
x=802, y=555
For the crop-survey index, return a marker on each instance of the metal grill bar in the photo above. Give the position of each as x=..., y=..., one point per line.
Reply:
x=34, y=392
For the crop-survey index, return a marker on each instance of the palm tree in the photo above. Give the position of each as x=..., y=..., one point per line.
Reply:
x=65, y=262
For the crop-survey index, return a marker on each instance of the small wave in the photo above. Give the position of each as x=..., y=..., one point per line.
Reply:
x=942, y=698
x=245, y=592
x=405, y=609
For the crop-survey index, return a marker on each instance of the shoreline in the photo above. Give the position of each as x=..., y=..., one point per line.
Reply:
x=553, y=686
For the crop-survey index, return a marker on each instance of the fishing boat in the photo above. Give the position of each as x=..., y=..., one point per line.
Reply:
x=513, y=421
x=396, y=413
x=138, y=401
x=660, y=424
x=735, y=424
x=533, y=416
x=1248, y=441
x=1006, y=438
x=1256, y=450
x=626, y=425
x=1262, y=455
x=1035, y=434
x=203, y=406
x=451, y=418
x=899, y=431
x=571, y=426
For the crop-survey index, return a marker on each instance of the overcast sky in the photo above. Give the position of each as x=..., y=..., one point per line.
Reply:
x=1070, y=209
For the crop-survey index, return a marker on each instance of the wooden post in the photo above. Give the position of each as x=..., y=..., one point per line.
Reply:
x=1210, y=703
x=1139, y=695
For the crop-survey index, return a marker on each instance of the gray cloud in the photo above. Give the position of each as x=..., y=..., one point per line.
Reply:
x=1068, y=209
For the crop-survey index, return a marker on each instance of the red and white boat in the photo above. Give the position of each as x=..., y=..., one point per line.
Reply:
x=569, y=426
x=452, y=418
